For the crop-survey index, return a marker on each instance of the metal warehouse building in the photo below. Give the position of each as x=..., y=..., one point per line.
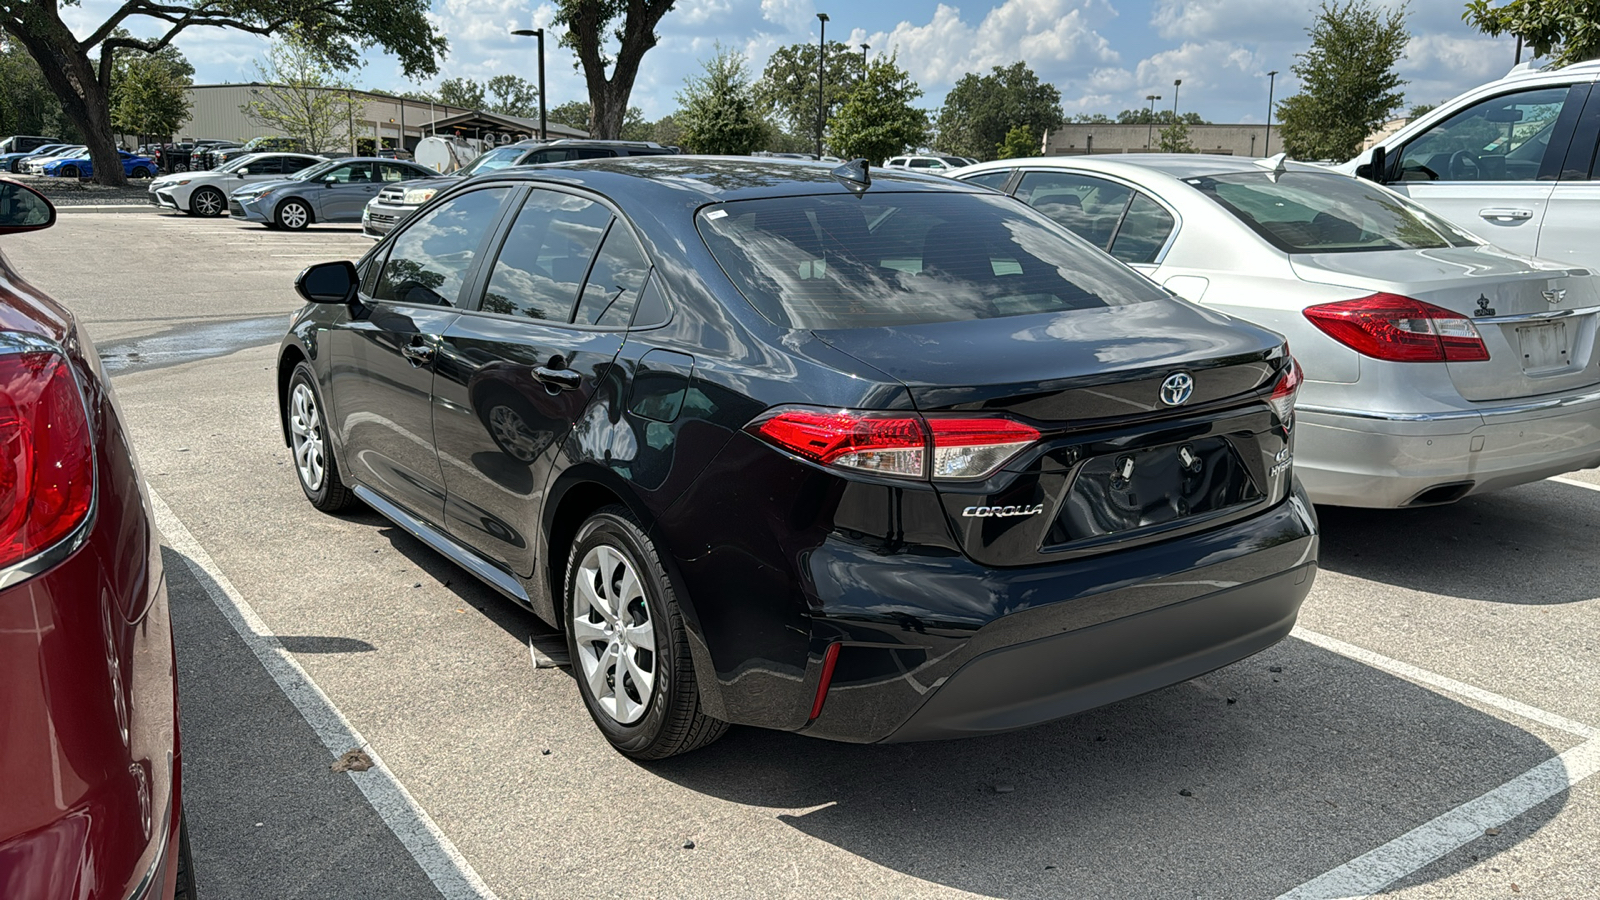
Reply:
x=215, y=112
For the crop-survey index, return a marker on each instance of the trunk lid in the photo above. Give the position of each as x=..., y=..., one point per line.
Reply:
x=1537, y=318
x=1114, y=466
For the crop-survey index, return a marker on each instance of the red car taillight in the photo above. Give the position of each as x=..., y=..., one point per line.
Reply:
x=905, y=446
x=46, y=457
x=1400, y=329
x=1283, y=393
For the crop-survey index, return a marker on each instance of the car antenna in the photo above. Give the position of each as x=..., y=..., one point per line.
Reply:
x=854, y=176
x=1275, y=165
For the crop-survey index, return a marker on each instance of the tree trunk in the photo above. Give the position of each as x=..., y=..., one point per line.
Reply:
x=608, y=107
x=83, y=89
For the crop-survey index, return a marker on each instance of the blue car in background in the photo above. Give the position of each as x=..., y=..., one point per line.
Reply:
x=133, y=165
x=12, y=162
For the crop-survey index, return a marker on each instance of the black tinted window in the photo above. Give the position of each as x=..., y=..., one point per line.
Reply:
x=392, y=172
x=266, y=165
x=1088, y=207
x=545, y=156
x=545, y=257
x=1143, y=231
x=431, y=257
x=614, y=281
x=892, y=259
x=652, y=309
x=996, y=180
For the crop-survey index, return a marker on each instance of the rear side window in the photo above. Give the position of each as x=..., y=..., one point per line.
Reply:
x=1307, y=212
x=1088, y=207
x=1143, y=232
x=614, y=281
x=996, y=180
x=545, y=257
x=431, y=258
x=907, y=258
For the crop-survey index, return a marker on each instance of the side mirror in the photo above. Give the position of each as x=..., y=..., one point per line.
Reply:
x=23, y=209
x=330, y=282
x=1376, y=168
x=240, y=173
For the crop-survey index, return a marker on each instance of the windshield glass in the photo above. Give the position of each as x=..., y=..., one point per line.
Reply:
x=1310, y=212
x=905, y=259
x=498, y=158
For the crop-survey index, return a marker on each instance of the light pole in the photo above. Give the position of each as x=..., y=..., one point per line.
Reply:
x=1150, y=124
x=1176, y=82
x=539, y=33
x=1272, y=81
x=822, y=84
x=864, y=49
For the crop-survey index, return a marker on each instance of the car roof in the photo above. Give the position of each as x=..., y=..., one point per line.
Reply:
x=673, y=178
x=1175, y=165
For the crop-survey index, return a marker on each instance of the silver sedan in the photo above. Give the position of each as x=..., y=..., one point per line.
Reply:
x=1436, y=365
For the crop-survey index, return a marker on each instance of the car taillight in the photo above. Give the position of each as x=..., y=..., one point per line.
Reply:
x=1400, y=329
x=1283, y=393
x=46, y=458
x=904, y=446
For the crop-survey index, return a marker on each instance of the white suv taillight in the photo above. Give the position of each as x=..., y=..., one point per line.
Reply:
x=954, y=448
x=46, y=455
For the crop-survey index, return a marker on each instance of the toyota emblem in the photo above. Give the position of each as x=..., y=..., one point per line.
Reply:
x=1177, y=389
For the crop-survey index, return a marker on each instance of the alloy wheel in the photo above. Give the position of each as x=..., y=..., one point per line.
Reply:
x=615, y=633
x=294, y=216
x=305, y=427
x=207, y=203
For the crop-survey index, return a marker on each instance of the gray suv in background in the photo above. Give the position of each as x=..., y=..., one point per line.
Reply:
x=394, y=203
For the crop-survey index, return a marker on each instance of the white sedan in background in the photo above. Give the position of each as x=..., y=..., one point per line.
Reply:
x=1436, y=365
x=34, y=165
x=205, y=193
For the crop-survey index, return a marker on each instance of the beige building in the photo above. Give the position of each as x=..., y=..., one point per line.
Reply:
x=215, y=112
x=1077, y=139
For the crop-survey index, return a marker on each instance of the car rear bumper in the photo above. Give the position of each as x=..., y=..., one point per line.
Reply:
x=1387, y=460
x=1047, y=642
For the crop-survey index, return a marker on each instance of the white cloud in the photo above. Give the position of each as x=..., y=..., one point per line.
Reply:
x=1044, y=33
x=1237, y=20
x=793, y=15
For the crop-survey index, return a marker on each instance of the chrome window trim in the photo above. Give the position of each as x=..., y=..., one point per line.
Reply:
x=1532, y=317
x=13, y=342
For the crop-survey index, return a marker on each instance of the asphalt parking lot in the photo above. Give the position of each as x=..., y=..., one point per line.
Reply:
x=1431, y=730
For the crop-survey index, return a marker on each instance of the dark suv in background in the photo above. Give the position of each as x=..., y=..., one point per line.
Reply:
x=394, y=204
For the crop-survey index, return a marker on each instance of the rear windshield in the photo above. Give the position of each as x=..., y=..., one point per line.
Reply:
x=1311, y=212
x=904, y=259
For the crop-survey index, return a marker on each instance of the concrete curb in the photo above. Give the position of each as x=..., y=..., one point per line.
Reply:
x=62, y=209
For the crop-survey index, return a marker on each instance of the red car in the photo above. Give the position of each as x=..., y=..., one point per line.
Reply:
x=90, y=807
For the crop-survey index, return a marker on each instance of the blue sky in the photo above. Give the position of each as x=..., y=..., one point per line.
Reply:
x=1104, y=55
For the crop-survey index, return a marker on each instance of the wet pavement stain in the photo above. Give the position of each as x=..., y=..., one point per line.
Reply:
x=190, y=343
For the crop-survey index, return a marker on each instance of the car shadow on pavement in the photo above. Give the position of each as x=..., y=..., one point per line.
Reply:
x=1532, y=545
x=1244, y=783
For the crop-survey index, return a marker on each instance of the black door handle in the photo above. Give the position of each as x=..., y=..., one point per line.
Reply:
x=418, y=354
x=565, y=379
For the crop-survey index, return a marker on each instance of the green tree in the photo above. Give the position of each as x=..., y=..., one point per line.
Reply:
x=1019, y=142
x=573, y=113
x=27, y=105
x=980, y=109
x=302, y=97
x=1175, y=138
x=1159, y=117
x=462, y=92
x=1421, y=109
x=341, y=30
x=513, y=96
x=591, y=29
x=719, y=108
x=1562, y=31
x=667, y=130
x=1092, y=119
x=1348, y=82
x=876, y=120
x=787, y=90
x=150, y=96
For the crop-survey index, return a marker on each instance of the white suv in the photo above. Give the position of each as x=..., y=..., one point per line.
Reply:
x=937, y=165
x=1513, y=161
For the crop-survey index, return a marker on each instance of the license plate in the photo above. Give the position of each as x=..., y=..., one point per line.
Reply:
x=1544, y=347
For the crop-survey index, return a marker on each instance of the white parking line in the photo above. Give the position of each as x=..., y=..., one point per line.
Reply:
x=435, y=854
x=1377, y=869
x=1562, y=479
x=1382, y=866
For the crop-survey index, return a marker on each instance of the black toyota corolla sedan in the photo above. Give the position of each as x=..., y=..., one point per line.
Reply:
x=863, y=455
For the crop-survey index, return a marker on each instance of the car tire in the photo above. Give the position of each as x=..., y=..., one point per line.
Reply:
x=185, y=889
x=293, y=215
x=69, y=171
x=664, y=719
x=140, y=172
x=208, y=203
x=314, y=464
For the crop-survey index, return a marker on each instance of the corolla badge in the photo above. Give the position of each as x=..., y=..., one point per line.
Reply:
x=1177, y=389
x=986, y=512
x=1556, y=296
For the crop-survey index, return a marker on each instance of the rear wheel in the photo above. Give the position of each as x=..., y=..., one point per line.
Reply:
x=208, y=202
x=293, y=215
x=629, y=649
x=185, y=890
x=314, y=464
x=140, y=172
x=69, y=171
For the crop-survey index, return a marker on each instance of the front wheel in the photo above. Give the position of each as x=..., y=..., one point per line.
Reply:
x=314, y=464
x=630, y=652
x=293, y=215
x=208, y=202
x=140, y=172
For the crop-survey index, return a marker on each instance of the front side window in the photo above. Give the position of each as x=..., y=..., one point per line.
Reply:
x=349, y=173
x=1503, y=138
x=429, y=260
x=907, y=258
x=545, y=257
x=1086, y=206
x=1306, y=212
